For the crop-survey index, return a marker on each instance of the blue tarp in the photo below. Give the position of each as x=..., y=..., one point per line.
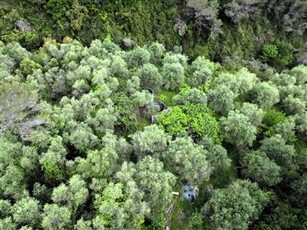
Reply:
x=187, y=192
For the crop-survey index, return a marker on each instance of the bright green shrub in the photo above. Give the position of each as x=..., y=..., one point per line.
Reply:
x=195, y=119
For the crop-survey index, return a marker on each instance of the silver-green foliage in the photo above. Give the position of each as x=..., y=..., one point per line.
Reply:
x=202, y=71
x=236, y=206
x=187, y=160
x=261, y=169
x=238, y=129
x=220, y=99
x=192, y=96
x=172, y=75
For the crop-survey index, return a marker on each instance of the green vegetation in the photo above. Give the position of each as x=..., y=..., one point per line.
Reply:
x=107, y=108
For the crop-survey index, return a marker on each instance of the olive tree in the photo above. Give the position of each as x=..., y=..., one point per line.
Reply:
x=187, y=160
x=190, y=96
x=265, y=94
x=220, y=99
x=202, y=71
x=277, y=150
x=156, y=51
x=260, y=168
x=137, y=57
x=120, y=206
x=151, y=140
x=172, y=75
x=26, y=211
x=55, y=217
x=150, y=77
x=236, y=206
x=238, y=130
x=72, y=195
x=254, y=113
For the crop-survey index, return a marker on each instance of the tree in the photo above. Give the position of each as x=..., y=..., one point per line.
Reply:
x=293, y=105
x=202, y=71
x=177, y=57
x=16, y=51
x=284, y=79
x=300, y=74
x=151, y=140
x=107, y=44
x=100, y=76
x=118, y=67
x=246, y=80
x=281, y=215
x=103, y=161
x=72, y=195
x=228, y=80
x=104, y=118
x=254, y=113
x=153, y=185
x=133, y=84
x=5, y=207
x=150, y=77
x=187, y=160
x=137, y=57
x=217, y=157
x=301, y=123
x=192, y=96
x=7, y=223
x=80, y=87
x=239, y=83
x=240, y=10
x=26, y=211
x=81, y=136
x=205, y=14
x=120, y=206
x=286, y=130
x=156, y=51
x=18, y=165
x=172, y=75
x=53, y=160
x=265, y=94
x=143, y=98
x=300, y=190
x=55, y=217
x=84, y=224
x=277, y=150
x=157, y=185
x=126, y=110
x=238, y=130
x=59, y=116
x=237, y=206
x=84, y=106
x=260, y=168
x=27, y=66
x=220, y=99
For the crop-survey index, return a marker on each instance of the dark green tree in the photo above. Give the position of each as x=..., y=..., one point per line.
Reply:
x=236, y=206
x=259, y=168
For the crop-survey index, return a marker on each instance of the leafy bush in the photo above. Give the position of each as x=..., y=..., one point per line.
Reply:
x=273, y=117
x=269, y=52
x=195, y=119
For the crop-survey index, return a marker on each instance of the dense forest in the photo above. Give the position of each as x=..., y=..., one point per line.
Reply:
x=139, y=114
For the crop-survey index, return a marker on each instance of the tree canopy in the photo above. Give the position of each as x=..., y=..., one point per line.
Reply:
x=108, y=135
